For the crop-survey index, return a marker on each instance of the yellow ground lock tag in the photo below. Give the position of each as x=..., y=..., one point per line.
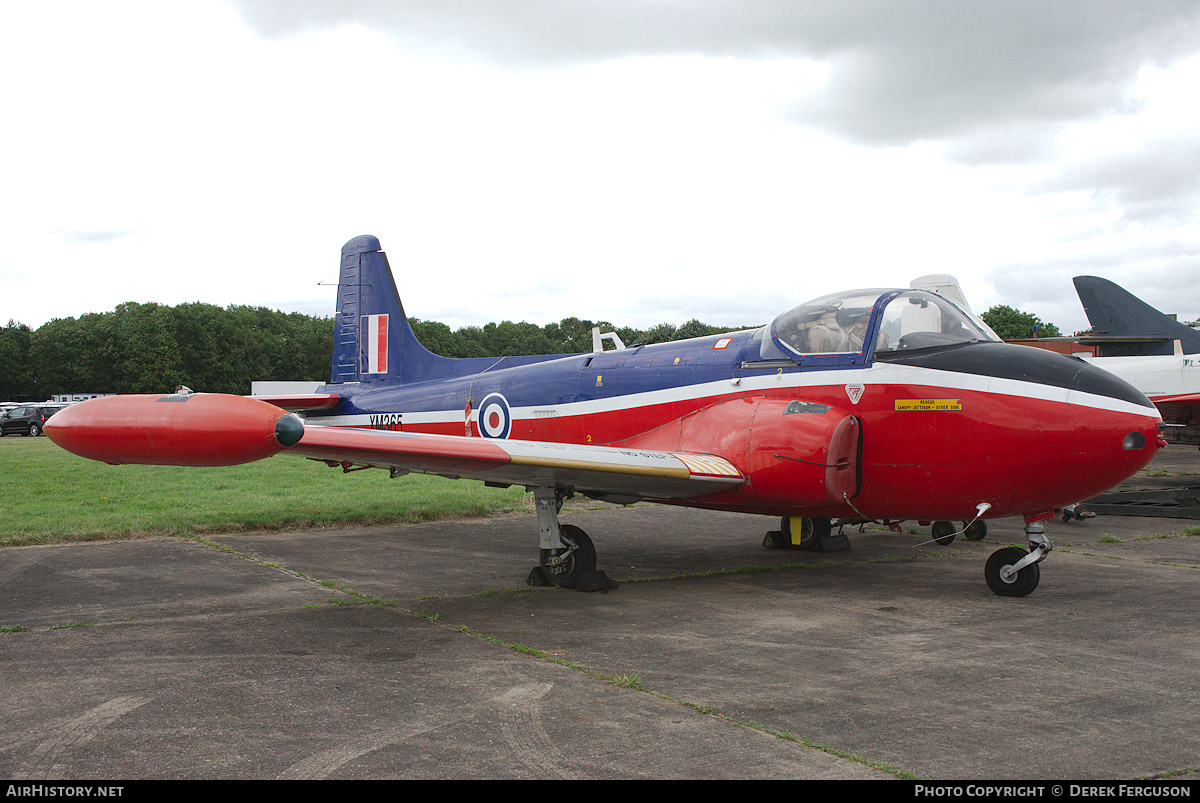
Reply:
x=928, y=404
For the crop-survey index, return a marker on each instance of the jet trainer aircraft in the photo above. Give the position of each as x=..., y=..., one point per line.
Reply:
x=869, y=405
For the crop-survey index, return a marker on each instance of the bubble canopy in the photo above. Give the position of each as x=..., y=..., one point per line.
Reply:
x=860, y=321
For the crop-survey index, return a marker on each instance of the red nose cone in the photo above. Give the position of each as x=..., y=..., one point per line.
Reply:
x=1111, y=446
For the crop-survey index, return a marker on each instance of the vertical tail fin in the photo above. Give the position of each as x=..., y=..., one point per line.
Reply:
x=372, y=338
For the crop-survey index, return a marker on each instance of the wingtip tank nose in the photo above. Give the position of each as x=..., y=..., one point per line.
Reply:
x=289, y=429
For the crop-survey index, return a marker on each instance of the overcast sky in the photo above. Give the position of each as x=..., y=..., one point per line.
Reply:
x=636, y=162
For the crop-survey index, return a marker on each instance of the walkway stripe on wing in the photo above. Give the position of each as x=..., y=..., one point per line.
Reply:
x=708, y=466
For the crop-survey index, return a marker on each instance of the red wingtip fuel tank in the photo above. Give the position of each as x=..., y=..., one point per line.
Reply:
x=201, y=429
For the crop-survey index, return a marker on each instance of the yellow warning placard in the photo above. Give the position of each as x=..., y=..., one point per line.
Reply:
x=928, y=404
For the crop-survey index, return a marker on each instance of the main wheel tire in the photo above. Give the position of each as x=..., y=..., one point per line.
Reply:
x=582, y=559
x=1018, y=586
x=975, y=531
x=799, y=531
x=821, y=528
x=943, y=532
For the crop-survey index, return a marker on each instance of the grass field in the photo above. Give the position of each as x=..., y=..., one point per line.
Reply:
x=48, y=495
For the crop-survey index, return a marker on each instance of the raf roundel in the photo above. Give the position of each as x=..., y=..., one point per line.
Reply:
x=495, y=420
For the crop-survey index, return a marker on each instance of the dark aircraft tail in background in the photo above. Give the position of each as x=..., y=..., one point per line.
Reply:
x=1125, y=326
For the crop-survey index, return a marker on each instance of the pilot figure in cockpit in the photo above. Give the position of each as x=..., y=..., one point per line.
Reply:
x=826, y=335
x=857, y=332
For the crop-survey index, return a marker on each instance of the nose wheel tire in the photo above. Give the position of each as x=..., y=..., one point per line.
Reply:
x=564, y=566
x=1006, y=583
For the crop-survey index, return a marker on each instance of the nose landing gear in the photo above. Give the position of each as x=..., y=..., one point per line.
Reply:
x=1012, y=572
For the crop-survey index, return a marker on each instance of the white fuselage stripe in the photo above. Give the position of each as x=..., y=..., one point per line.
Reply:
x=877, y=376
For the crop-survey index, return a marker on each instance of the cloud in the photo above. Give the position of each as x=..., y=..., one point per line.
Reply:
x=635, y=161
x=898, y=72
x=95, y=236
x=1157, y=181
x=939, y=70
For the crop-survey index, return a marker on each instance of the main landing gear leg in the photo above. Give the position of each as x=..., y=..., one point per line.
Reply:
x=1012, y=572
x=814, y=535
x=567, y=557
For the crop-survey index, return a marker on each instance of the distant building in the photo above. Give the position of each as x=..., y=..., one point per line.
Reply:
x=68, y=398
x=261, y=388
x=1059, y=345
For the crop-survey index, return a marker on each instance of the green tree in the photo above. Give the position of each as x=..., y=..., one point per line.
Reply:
x=435, y=336
x=58, y=356
x=572, y=335
x=15, y=376
x=661, y=333
x=694, y=328
x=513, y=339
x=1010, y=323
x=149, y=358
x=314, y=345
x=207, y=341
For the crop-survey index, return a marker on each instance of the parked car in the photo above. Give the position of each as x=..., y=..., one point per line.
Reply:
x=27, y=419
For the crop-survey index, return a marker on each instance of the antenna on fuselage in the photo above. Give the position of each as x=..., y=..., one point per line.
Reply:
x=598, y=339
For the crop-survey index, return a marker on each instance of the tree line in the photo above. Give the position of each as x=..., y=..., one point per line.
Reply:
x=153, y=348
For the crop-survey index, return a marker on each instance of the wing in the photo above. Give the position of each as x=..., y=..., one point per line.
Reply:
x=1178, y=408
x=601, y=471
x=211, y=429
